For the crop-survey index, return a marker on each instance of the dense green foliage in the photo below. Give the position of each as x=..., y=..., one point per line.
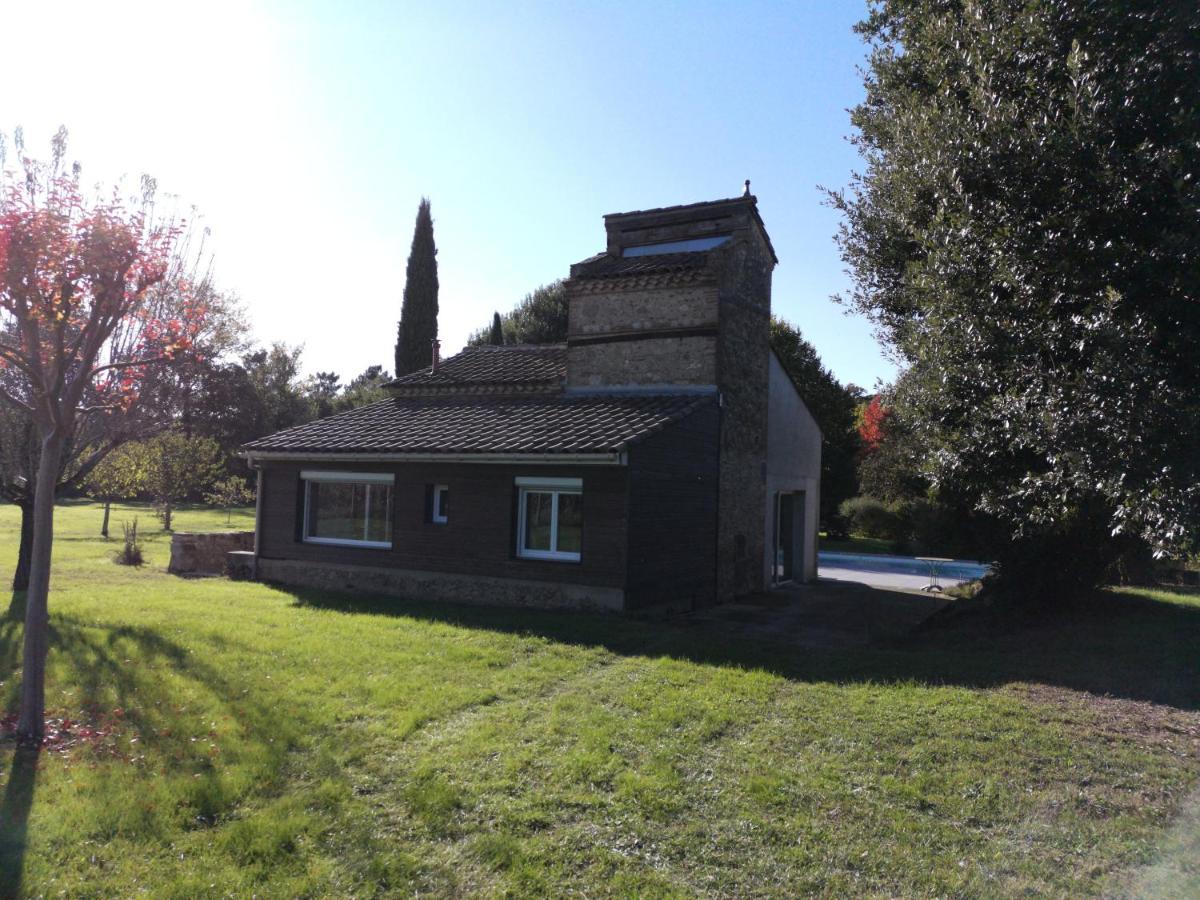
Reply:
x=871, y=517
x=173, y=466
x=1027, y=237
x=889, y=461
x=496, y=335
x=116, y=477
x=540, y=318
x=229, y=492
x=263, y=392
x=259, y=741
x=367, y=387
x=419, y=310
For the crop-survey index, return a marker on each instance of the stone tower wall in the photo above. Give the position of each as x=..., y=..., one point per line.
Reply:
x=631, y=332
x=743, y=376
x=705, y=325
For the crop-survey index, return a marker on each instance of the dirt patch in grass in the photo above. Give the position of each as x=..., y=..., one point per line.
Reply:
x=1175, y=730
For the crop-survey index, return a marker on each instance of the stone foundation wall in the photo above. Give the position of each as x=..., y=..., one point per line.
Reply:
x=440, y=586
x=204, y=553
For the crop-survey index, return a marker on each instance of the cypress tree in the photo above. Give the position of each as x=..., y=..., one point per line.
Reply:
x=496, y=337
x=418, y=312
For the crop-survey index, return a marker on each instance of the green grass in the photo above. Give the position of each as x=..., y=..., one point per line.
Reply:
x=281, y=743
x=856, y=543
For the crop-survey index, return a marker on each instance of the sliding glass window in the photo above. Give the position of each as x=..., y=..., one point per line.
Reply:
x=351, y=508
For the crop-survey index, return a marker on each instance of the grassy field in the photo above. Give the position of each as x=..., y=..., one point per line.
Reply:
x=246, y=740
x=856, y=543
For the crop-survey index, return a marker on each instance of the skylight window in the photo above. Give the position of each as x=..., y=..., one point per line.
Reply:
x=691, y=245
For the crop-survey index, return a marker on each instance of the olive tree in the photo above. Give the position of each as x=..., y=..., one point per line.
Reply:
x=1026, y=236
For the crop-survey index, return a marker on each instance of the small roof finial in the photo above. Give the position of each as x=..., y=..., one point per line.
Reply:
x=746, y=192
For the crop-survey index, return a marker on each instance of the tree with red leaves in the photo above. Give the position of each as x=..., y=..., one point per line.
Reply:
x=81, y=328
x=873, y=425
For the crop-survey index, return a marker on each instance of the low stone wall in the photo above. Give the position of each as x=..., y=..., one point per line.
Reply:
x=440, y=586
x=204, y=552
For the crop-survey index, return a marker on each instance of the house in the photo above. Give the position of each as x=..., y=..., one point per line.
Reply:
x=661, y=457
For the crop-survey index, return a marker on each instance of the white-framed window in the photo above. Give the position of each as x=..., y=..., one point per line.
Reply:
x=441, y=504
x=550, y=518
x=348, y=508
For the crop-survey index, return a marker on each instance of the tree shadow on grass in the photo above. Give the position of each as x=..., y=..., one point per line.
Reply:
x=1119, y=645
x=120, y=676
x=16, y=607
x=14, y=819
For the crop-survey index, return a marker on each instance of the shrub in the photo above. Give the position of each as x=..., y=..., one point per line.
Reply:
x=873, y=518
x=929, y=527
x=837, y=528
x=130, y=553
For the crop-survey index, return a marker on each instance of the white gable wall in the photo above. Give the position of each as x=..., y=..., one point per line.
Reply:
x=793, y=466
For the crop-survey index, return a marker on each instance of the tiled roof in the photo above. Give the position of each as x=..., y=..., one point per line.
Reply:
x=491, y=368
x=603, y=265
x=465, y=424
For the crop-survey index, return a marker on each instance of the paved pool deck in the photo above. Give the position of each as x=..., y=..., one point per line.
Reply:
x=829, y=613
x=893, y=580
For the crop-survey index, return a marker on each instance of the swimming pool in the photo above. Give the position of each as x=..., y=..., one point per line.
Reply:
x=958, y=570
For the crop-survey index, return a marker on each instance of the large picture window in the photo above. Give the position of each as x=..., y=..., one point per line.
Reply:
x=550, y=518
x=352, y=508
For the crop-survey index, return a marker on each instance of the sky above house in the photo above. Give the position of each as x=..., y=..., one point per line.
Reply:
x=304, y=134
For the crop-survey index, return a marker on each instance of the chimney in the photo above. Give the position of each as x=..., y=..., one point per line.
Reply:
x=710, y=221
x=437, y=356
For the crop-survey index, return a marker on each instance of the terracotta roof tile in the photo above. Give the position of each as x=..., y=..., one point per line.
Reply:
x=464, y=424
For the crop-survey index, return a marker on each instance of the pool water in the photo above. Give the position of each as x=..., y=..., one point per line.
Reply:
x=958, y=570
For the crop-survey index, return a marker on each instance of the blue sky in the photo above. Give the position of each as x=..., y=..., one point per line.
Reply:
x=305, y=134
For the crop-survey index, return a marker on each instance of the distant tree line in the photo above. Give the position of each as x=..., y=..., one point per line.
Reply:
x=178, y=439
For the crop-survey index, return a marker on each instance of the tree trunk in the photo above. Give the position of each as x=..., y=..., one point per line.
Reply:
x=167, y=516
x=21, y=575
x=31, y=725
x=104, y=525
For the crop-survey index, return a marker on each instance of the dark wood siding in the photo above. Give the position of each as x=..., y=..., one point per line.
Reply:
x=673, y=478
x=479, y=538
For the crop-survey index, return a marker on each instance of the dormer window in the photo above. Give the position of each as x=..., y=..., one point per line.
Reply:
x=691, y=245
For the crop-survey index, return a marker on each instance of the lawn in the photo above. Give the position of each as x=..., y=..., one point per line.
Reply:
x=246, y=739
x=856, y=543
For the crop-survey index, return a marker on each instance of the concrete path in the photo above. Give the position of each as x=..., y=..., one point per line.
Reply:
x=828, y=613
x=881, y=579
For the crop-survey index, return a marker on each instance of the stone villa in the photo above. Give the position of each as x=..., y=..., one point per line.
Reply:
x=660, y=458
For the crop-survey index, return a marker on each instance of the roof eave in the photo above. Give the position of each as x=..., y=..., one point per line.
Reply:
x=608, y=458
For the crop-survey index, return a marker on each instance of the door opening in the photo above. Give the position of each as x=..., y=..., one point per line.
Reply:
x=789, y=537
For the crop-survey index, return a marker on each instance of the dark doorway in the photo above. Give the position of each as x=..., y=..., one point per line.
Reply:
x=789, y=536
